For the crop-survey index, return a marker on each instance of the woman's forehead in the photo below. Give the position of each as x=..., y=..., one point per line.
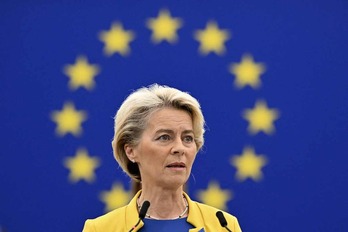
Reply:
x=170, y=118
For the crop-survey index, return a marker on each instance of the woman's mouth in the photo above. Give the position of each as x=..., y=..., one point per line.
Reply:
x=176, y=166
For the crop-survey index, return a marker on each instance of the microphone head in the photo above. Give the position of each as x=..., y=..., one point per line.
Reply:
x=221, y=218
x=144, y=209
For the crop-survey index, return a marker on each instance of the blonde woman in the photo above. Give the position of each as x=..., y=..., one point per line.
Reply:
x=158, y=132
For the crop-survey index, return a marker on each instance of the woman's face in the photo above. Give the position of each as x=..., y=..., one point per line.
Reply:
x=166, y=150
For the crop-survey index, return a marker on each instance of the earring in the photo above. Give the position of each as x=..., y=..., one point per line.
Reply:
x=133, y=161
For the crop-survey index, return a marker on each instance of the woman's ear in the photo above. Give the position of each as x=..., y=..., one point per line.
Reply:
x=129, y=152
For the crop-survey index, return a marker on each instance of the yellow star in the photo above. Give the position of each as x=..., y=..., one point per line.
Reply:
x=215, y=196
x=81, y=74
x=247, y=72
x=261, y=118
x=115, y=198
x=116, y=40
x=68, y=120
x=212, y=39
x=82, y=166
x=164, y=27
x=248, y=164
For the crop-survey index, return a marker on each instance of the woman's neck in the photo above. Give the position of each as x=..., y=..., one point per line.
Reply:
x=164, y=203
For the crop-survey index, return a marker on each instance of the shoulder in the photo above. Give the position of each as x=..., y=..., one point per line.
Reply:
x=106, y=222
x=117, y=220
x=209, y=215
x=210, y=211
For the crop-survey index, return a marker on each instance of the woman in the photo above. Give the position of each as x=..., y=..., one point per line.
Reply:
x=158, y=132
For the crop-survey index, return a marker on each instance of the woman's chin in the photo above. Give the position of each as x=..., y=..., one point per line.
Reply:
x=175, y=182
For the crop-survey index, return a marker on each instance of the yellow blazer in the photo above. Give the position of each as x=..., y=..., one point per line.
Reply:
x=201, y=216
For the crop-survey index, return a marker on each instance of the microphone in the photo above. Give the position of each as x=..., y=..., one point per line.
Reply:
x=144, y=209
x=142, y=213
x=222, y=220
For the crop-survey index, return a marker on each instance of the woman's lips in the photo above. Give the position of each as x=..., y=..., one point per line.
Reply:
x=176, y=165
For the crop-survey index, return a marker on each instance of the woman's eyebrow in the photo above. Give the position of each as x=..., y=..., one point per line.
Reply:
x=188, y=132
x=168, y=131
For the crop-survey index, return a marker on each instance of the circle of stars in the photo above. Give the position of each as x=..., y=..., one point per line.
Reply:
x=164, y=27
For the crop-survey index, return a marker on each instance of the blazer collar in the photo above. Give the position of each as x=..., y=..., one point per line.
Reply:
x=194, y=217
x=132, y=215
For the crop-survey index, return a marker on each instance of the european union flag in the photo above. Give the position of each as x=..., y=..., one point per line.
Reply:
x=271, y=77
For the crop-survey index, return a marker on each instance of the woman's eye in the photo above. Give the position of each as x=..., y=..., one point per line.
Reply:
x=188, y=139
x=164, y=137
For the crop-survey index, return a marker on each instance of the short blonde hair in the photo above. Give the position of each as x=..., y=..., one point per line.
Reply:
x=132, y=117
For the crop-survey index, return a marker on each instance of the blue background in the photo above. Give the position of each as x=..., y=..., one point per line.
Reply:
x=302, y=43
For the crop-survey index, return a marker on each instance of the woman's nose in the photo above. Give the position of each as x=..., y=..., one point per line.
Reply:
x=178, y=147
